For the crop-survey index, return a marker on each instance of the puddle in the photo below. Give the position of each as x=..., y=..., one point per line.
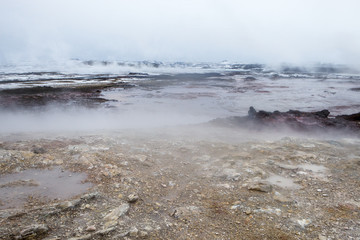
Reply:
x=52, y=184
x=282, y=182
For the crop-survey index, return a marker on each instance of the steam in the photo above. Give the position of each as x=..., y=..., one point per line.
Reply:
x=242, y=31
x=55, y=122
x=58, y=119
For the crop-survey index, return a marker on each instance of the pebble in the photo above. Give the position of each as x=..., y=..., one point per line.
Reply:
x=260, y=186
x=121, y=235
x=133, y=198
x=148, y=228
x=141, y=158
x=117, y=212
x=280, y=198
x=65, y=205
x=90, y=228
x=133, y=232
x=304, y=222
x=248, y=211
x=185, y=211
x=39, y=150
x=33, y=231
x=143, y=234
x=322, y=237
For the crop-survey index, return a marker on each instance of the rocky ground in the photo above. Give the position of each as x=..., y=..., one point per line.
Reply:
x=86, y=95
x=159, y=185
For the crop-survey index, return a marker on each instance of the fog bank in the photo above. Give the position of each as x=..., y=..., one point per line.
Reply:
x=242, y=31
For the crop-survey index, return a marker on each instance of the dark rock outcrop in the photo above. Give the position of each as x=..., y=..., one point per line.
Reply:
x=295, y=120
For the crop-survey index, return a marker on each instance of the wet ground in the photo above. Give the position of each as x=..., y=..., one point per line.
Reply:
x=219, y=184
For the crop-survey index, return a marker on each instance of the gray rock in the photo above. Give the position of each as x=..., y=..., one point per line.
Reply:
x=33, y=232
x=133, y=232
x=247, y=211
x=90, y=228
x=260, y=186
x=229, y=174
x=95, y=234
x=83, y=237
x=288, y=167
x=121, y=235
x=132, y=198
x=90, y=196
x=65, y=205
x=322, y=237
x=105, y=231
x=304, y=222
x=185, y=211
x=281, y=198
x=143, y=234
x=117, y=212
x=38, y=150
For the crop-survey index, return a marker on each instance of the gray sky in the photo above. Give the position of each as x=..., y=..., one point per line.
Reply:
x=266, y=31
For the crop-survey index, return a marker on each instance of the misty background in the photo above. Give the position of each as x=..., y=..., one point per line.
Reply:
x=270, y=32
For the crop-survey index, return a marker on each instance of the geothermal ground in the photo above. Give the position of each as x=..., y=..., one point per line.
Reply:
x=163, y=184
x=174, y=156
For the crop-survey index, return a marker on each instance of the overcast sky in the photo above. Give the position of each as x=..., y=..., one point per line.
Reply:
x=266, y=31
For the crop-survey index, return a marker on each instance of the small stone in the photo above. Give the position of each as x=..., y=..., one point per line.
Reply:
x=133, y=232
x=121, y=235
x=90, y=196
x=33, y=232
x=65, y=205
x=280, y=198
x=117, y=212
x=90, y=228
x=185, y=211
x=260, y=186
x=83, y=237
x=133, y=198
x=234, y=207
x=105, y=231
x=143, y=234
x=304, y=222
x=110, y=224
x=148, y=228
x=248, y=211
x=39, y=150
x=288, y=167
x=141, y=158
x=322, y=237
